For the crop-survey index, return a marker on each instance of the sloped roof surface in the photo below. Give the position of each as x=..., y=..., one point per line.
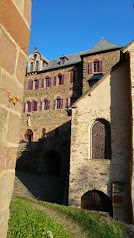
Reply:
x=102, y=45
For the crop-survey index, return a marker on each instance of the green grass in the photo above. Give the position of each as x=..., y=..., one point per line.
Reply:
x=93, y=227
x=28, y=221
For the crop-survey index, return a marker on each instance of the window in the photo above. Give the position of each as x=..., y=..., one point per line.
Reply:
x=58, y=103
x=95, y=66
x=27, y=106
x=48, y=81
x=72, y=76
x=60, y=79
x=37, y=65
x=36, y=84
x=31, y=67
x=46, y=104
x=54, y=80
x=34, y=105
x=30, y=84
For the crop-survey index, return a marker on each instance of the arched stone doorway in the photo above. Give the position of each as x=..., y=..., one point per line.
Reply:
x=98, y=201
x=29, y=135
x=100, y=139
x=53, y=163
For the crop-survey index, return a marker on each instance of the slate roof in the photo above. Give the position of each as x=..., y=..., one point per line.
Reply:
x=102, y=45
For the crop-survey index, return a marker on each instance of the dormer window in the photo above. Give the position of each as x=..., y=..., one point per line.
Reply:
x=63, y=60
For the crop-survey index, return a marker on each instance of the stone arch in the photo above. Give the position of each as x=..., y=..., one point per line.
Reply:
x=53, y=163
x=101, y=139
x=29, y=135
x=96, y=200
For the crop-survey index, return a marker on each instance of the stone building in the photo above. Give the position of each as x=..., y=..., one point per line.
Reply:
x=77, y=114
x=14, y=15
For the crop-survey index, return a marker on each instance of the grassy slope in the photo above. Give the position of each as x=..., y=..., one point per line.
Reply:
x=30, y=218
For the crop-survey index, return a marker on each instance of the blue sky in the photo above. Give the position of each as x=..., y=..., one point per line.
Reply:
x=63, y=27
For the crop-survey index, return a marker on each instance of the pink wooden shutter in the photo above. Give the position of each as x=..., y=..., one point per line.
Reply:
x=35, y=106
x=31, y=87
x=42, y=83
x=66, y=102
x=100, y=66
x=50, y=82
x=29, y=106
x=62, y=79
x=90, y=67
x=54, y=80
x=61, y=103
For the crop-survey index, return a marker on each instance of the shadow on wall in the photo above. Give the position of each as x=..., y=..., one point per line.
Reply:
x=119, y=188
x=48, y=158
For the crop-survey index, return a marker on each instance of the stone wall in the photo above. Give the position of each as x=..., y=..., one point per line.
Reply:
x=109, y=99
x=50, y=119
x=15, y=17
x=108, y=60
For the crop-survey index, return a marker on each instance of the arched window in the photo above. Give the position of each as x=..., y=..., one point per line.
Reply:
x=58, y=104
x=46, y=104
x=29, y=135
x=37, y=65
x=30, y=84
x=100, y=140
x=31, y=67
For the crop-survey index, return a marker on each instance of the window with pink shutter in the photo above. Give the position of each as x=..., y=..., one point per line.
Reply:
x=46, y=104
x=30, y=84
x=48, y=81
x=54, y=80
x=90, y=67
x=60, y=79
x=29, y=106
x=58, y=103
x=42, y=83
x=37, y=66
x=72, y=76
